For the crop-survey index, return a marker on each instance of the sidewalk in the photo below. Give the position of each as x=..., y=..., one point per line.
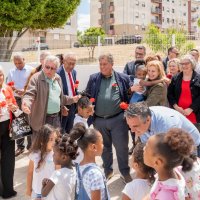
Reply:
x=115, y=184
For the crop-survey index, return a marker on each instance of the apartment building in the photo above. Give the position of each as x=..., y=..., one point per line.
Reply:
x=118, y=17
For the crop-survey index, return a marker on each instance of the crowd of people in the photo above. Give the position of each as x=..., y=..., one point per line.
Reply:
x=157, y=101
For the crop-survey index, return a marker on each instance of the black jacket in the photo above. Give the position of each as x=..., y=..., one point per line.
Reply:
x=174, y=92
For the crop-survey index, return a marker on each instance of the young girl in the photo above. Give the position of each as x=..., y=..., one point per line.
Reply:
x=141, y=185
x=164, y=152
x=91, y=181
x=41, y=163
x=61, y=183
x=85, y=109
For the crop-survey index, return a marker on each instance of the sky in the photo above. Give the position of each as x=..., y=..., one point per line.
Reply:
x=83, y=15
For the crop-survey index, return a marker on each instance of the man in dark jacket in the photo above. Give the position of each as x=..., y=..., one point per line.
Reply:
x=129, y=68
x=109, y=88
x=68, y=77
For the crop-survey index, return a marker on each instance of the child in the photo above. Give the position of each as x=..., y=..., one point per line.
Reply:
x=85, y=109
x=140, y=74
x=61, y=184
x=164, y=152
x=91, y=181
x=41, y=161
x=192, y=179
x=141, y=185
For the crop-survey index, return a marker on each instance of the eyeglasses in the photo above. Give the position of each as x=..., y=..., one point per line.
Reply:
x=185, y=63
x=50, y=68
x=177, y=53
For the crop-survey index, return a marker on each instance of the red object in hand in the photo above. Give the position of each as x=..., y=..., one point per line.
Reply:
x=11, y=83
x=2, y=104
x=114, y=85
x=123, y=105
x=92, y=100
x=76, y=82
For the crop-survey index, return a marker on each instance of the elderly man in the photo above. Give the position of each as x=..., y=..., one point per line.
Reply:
x=195, y=54
x=147, y=121
x=171, y=53
x=19, y=76
x=68, y=77
x=109, y=88
x=44, y=100
x=129, y=68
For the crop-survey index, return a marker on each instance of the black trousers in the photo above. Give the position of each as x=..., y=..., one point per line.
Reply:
x=7, y=160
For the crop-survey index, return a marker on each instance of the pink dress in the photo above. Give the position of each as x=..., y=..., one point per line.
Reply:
x=171, y=189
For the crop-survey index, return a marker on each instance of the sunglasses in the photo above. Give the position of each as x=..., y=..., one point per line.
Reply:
x=50, y=68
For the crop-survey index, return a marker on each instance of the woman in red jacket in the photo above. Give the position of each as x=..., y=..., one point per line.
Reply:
x=7, y=146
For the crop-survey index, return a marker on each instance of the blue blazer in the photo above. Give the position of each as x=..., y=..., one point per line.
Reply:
x=61, y=72
x=122, y=80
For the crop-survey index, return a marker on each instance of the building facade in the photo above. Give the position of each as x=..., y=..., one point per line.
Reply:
x=119, y=17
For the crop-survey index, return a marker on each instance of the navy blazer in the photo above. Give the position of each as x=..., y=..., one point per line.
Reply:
x=122, y=80
x=61, y=72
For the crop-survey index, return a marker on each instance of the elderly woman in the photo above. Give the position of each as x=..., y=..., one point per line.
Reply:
x=156, y=94
x=7, y=146
x=173, y=67
x=184, y=90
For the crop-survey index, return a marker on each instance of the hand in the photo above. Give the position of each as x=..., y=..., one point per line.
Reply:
x=188, y=111
x=179, y=109
x=65, y=111
x=44, y=182
x=19, y=92
x=76, y=98
x=12, y=107
x=25, y=108
x=137, y=88
x=28, y=192
x=166, y=80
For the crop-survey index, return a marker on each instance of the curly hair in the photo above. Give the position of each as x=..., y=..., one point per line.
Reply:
x=139, y=159
x=176, y=147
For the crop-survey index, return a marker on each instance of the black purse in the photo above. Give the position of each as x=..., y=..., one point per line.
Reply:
x=19, y=128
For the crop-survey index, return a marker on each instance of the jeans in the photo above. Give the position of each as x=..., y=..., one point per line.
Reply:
x=114, y=131
x=136, y=98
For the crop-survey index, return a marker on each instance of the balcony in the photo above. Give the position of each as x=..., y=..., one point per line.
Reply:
x=156, y=22
x=111, y=20
x=111, y=8
x=193, y=9
x=156, y=1
x=111, y=32
x=100, y=10
x=100, y=22
x=156, y=11
x=194, y=19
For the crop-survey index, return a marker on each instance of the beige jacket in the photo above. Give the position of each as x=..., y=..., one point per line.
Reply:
x=36, y=98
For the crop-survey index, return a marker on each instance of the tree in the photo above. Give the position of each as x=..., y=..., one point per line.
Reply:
x=16, y=17
x=90, y=39
x=159, y=41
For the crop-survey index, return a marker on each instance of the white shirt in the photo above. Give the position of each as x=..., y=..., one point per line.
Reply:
x=70, y=93
x=64, y=180
x=197, y=69
x=45, y=170
x=79, y=119
x=137, y=189
x=4, y=113
x=137, y=82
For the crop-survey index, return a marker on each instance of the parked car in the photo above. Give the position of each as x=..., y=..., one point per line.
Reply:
x=129, y=39
x=34, y=47
x=77, y=44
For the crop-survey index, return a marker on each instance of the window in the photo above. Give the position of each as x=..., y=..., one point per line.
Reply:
x=136, y=15
x=111, y=27
x=173, y=10
x=68, y=23
x=184, y=14
x=137, y=3
x=111, y=15
x=163, y=8
x=56, y=36
x=173, y=21
x=167, y=20
x=143, y=4
x=111, y=3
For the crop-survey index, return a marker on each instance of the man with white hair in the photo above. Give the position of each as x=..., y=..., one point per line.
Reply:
x=43, y=100
x=19, y=76
x=68, y=77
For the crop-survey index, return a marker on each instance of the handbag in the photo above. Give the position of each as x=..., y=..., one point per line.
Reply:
x=19, y=128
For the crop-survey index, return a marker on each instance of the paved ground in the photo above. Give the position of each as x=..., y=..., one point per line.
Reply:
x=115, y=184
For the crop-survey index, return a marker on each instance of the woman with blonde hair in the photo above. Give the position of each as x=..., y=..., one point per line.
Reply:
x=156, y=94
x=173, y=67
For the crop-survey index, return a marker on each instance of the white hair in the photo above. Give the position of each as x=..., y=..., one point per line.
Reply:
x=44, y=54
x=52, y=59
x=69, y=55
x=191, y=59
x=18, y=56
